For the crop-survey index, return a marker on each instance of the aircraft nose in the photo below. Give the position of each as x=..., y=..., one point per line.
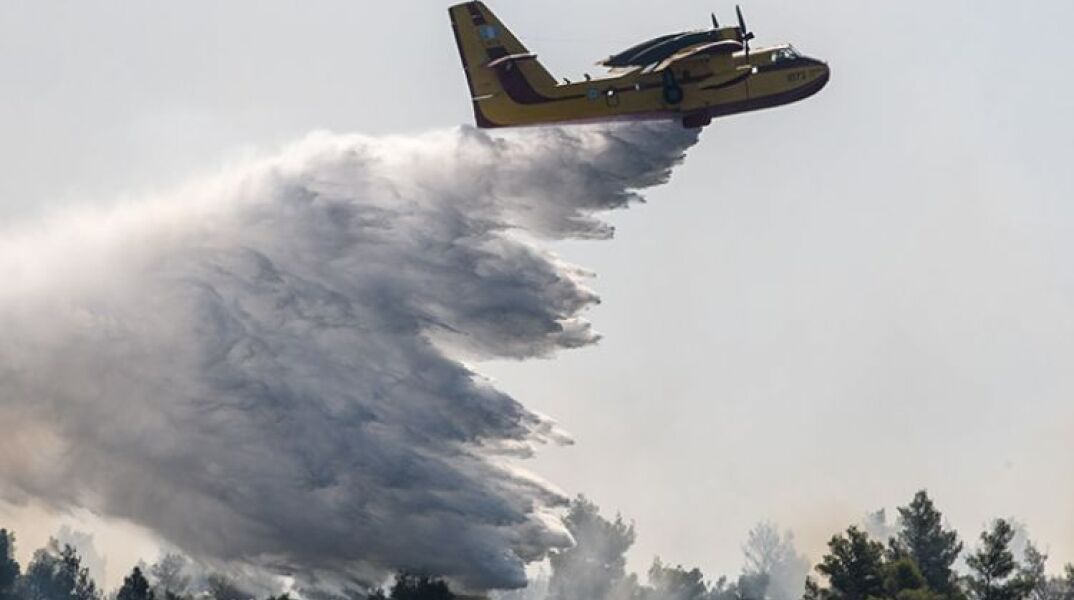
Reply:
x=824, y=75
x=820, y=74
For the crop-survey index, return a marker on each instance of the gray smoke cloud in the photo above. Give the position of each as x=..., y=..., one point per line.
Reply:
x=265, y=368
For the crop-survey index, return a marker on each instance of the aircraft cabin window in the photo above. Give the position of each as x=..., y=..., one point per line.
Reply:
x=784, y=55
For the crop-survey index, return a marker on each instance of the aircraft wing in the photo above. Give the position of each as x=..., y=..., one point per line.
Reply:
x=700, y=52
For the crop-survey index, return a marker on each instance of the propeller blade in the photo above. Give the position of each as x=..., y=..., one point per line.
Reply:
x=715, y=23
x=747, y=35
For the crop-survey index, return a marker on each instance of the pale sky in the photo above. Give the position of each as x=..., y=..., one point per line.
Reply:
x=832, y=305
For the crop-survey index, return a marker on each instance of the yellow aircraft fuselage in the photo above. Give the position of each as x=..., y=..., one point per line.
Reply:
x=712, y=74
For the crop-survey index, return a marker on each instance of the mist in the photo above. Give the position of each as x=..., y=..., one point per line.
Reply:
x=267, y=369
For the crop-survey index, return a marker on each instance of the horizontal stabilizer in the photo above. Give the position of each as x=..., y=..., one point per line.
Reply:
x=510, y=58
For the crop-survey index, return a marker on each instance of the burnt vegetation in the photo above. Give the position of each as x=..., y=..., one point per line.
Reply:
x=920, y=559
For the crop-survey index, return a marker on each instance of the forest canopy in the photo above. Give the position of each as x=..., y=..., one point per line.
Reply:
x=920, y=558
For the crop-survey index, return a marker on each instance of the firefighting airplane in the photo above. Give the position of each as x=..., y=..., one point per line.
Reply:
x=691, y=77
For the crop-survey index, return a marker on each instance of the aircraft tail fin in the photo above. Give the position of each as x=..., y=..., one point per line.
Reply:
x=497, y=64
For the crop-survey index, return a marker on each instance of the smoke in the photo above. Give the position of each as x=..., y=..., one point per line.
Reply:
x=84, y=543
x=771, y=556
x=265, y=369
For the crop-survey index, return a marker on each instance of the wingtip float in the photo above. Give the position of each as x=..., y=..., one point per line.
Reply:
x=691, y=77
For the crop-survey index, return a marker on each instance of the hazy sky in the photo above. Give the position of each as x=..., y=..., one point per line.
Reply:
x=831, y=306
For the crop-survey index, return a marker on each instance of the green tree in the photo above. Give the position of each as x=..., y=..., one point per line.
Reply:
x=135, y=587
x=901, y=575
x=676, y=583
x=1056, y=588
x=595, y=567
x=854, y=567
x=1034, y=574
x=9, y=567
x=904, y=581
x=994, y=571
x=56, y=574
x=169, y=575
x=923, y=538
x=813, y=591
x=1065, y=584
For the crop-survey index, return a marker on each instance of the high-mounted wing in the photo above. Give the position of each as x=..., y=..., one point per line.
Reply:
x=700, y=52
x=666, y=47
x=659, y=49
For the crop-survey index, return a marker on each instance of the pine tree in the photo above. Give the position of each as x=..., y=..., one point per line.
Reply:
x=9, y=567
x=56, y=574
x=922, y=537
x=1034, y=574
x=902, y=575
x=813, y=591
x=904, y=581
x=135, y=587
x=676, y=583
x=1063, y=587
x=854, y=566
x=595, y=568
x=169, y=575
x=994, y=568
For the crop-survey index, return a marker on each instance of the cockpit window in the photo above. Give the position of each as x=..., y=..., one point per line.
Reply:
x=785, y=54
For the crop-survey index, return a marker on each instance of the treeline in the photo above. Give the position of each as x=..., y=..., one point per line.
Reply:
x=595, y=567
x=918, y=559
x=919, y=563
x=56, y=572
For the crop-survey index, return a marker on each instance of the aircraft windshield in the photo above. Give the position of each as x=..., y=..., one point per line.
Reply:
x=785, y=54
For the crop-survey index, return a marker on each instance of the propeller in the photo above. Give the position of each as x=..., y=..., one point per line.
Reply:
x=715, y=23
x=747, y=35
